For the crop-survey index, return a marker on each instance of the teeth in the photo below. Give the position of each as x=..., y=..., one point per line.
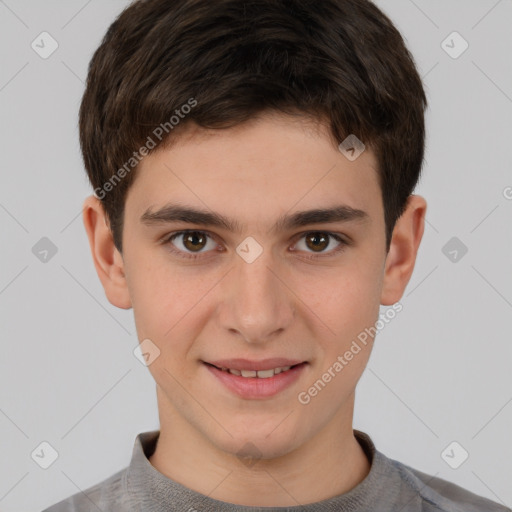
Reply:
x=261, y=374
x=265, y=374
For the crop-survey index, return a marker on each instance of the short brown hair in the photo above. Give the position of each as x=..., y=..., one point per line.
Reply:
x=227, y=61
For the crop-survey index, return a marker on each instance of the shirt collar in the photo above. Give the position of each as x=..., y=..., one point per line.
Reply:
x=150, y=490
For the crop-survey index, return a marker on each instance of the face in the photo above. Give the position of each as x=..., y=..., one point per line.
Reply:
x=278, y=272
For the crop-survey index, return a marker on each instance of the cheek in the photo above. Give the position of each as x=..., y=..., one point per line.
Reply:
x=157, y=296
x=152, y=300
x=167, y=301
x=345, y=299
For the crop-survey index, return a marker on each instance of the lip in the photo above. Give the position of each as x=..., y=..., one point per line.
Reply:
x=246, y=364
x=253, y=388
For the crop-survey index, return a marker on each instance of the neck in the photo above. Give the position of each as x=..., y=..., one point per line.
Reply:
x=330, y=464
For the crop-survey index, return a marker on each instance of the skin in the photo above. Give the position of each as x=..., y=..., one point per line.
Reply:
x=280, y=305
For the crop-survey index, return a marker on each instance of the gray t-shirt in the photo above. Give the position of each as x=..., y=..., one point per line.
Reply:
x=390, y=486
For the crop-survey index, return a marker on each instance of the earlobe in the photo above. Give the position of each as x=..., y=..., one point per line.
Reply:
x=107, y=259
x=403, y=250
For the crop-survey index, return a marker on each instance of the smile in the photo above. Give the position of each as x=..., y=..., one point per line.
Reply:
x=260, y=374
x=268, y=379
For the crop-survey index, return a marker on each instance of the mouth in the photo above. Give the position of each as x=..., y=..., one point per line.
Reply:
x=256, y=379
x=256, y=374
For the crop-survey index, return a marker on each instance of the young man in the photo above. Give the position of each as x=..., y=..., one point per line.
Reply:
x=253, y=166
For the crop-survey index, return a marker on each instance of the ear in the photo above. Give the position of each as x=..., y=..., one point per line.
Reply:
x=403, y=249
x=107, y=259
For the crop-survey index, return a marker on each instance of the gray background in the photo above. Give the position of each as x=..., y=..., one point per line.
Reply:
x=440, y=371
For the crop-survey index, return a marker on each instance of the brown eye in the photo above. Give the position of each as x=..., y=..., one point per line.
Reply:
x=317, y=241
x=194, y=241
x=190, y=243
x=323, y=243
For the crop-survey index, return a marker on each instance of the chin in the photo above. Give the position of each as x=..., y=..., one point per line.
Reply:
x=258, y=444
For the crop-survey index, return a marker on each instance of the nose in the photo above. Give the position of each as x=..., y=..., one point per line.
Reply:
x=256, y=304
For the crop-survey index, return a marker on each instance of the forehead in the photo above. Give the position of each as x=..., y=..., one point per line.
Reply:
x=262, y=167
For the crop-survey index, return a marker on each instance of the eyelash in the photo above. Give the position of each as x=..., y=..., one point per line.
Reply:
x=193, y=256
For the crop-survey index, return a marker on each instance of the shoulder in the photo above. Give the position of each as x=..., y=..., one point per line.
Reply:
x=440, y=495
x=110, y=494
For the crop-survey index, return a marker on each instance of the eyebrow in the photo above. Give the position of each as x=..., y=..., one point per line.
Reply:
x=173, y=213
